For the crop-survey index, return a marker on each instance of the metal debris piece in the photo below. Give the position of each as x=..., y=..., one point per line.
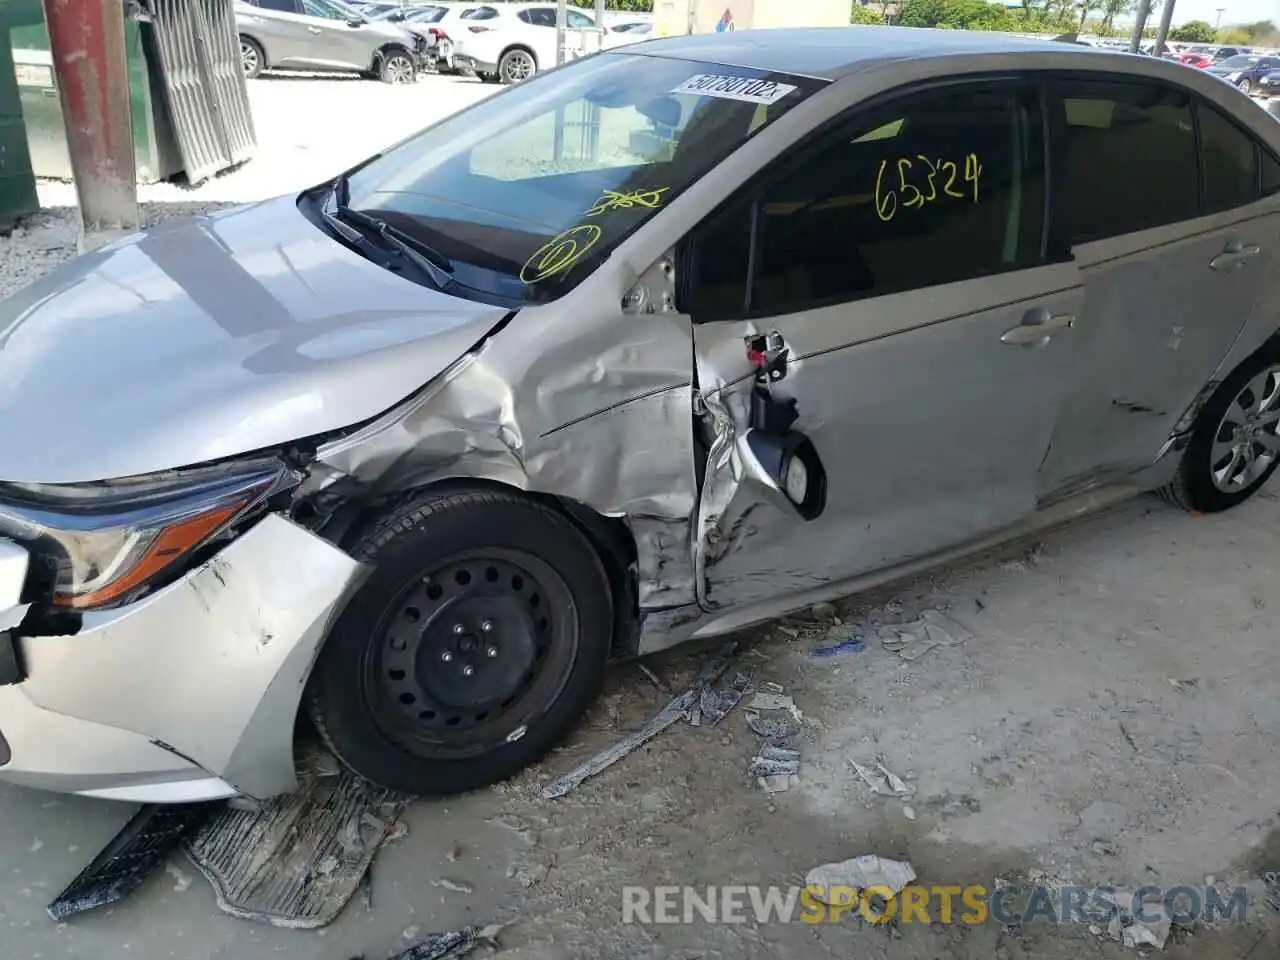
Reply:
x=773, y=728
x=883, y=781
x=654, y=678
x=299, y=860
x=679, y=707
x=133, y=854
x=913, y=640
x=1185, y=686
x=455, y=943
x=850, y=645
x=715, y=705
x=859, y=873
x=776, y=701
x=1271, y=882
x=1128, y=929
x=457, y=886
x=774, y=783
x=760, y=767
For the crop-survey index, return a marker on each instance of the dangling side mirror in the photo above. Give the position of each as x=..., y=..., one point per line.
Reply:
x=788, y=468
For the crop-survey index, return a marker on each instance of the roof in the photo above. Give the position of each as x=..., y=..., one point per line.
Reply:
x=830, y=53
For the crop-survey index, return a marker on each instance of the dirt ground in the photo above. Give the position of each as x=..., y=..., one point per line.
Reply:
x=1112, y=718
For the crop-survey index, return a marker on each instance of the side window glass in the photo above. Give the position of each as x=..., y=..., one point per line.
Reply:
x=542, y=17
x=1270, y=174
x=579, y=21
x=936, y=188
x=317, y=8
x=1109, y=125
x=1230, y=161
x=526, y=16
x=283, y=6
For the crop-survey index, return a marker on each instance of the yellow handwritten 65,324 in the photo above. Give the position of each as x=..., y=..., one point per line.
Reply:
x=921, y=180
x=560, y=253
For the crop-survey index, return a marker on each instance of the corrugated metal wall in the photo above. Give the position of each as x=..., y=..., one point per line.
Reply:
x=199, y=52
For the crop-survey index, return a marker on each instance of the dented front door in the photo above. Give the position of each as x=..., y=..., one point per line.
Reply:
x=931, y=405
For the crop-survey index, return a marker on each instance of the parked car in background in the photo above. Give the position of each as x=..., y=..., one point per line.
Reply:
x=1196, y=56
x=1269, y=84
x=324, y=35
x=1245, y=71
x=510, y=42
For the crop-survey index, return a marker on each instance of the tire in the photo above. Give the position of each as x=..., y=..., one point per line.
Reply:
x=253, y=60
x=1246, y=87
x=488, y=77
x=1213, y=476
x=517, y=64
x=396, y=66
x=456, y=576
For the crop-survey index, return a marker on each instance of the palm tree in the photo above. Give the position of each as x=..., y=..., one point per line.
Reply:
x=1087, y=7
x=1114, y=8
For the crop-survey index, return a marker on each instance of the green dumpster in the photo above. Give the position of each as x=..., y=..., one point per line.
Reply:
x=155, y=150
x=17, y=182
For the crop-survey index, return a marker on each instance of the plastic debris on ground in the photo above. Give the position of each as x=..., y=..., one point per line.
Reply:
x=776, y=765
x=447, y=946
x=1130, y=931
x=296, y=861
x=678, y=709
x=714, y=704
x=1185, y=686
x=883, y=780
x=143, y=844
x=1271, y=882
x=932, y=630
x=867, y=872
x=853, y=644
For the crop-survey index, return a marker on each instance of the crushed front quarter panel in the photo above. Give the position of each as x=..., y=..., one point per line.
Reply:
x=211, y=668
x=589, y=404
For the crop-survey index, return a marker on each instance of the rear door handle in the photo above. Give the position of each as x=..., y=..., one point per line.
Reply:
x=1234, y=255
x=1037, y=327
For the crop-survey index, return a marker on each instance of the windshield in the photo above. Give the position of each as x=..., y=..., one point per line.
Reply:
x=1238, y=62
x=529, y=191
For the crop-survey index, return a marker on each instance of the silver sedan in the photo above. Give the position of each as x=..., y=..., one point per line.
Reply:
x=670, y=341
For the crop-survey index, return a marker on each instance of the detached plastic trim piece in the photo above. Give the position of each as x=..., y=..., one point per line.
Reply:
x=145, y=842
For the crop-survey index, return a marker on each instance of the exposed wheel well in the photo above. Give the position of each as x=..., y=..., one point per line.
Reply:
x=386, y=50
x=611, y=538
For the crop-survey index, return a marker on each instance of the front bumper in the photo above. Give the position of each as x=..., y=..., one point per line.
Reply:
x=188, y=694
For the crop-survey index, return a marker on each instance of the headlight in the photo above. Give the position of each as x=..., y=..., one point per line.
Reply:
x=106, y=541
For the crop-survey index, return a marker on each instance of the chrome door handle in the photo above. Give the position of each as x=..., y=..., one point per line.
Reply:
x=1037, y=327
x=313, y=30
x=1234, y=255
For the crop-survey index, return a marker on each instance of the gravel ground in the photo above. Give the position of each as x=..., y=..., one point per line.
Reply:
x=1112, y=718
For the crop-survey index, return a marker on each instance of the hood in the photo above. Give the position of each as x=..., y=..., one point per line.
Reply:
x=392, y=31
x=208, y=338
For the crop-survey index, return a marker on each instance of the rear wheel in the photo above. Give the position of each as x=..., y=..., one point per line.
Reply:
x=1235, y=442
x=1246, y=86
x=480, y=637
x=252, y=60
x=516, y=65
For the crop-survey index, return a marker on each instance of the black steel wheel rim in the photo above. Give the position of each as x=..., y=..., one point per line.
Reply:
x=470, y=653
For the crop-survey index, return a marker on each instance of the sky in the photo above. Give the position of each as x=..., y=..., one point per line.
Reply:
x=1234, y=11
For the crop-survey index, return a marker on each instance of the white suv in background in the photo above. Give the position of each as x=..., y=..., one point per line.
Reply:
x=510, y=42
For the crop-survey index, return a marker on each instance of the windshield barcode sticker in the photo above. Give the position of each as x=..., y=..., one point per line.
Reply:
x=747, y=89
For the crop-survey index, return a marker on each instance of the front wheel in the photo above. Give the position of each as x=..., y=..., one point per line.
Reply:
x=397, y=68
x=252, y=59
x=478, y=640
x=1235, y=443
x=1246, y=86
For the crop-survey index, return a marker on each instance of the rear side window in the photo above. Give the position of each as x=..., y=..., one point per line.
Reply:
x=480, y=13
x=1270, y=174
x=1230, y=161
x=935, y=188
x=1131, y=160
x=538, y=16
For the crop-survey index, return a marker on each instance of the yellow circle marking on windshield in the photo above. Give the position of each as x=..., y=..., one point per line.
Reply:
x=615, y=200
x=560, y=253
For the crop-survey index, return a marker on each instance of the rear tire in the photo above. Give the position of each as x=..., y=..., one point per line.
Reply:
x=1246, y=87
x=478, y=640
x=517, y=64
x=1234, y=447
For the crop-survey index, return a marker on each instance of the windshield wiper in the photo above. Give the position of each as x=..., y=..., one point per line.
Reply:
x=427, y=259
